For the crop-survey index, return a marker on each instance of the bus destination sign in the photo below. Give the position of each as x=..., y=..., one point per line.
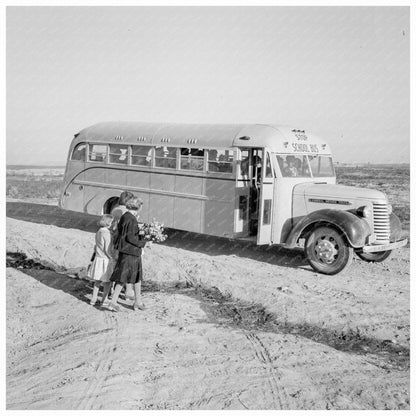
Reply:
x=305, y=148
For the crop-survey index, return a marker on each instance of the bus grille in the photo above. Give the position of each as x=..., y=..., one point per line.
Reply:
x=381, y=222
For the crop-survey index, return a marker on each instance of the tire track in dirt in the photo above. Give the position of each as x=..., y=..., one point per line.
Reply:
x=280, y=397
x=330, y=292
x=109, y=347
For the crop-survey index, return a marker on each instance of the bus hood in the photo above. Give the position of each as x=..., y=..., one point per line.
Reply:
x=338, y=194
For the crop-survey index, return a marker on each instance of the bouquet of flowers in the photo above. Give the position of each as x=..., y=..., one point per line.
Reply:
x=153, y=232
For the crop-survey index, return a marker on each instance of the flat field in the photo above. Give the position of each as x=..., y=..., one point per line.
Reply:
x=34, y=182
x=393, y=180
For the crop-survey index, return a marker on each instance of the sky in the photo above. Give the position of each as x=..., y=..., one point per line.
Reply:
x=342, y=73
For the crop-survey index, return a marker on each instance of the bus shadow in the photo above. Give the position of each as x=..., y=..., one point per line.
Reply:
x=51, y=215
x=213, y=246
x=218, y=246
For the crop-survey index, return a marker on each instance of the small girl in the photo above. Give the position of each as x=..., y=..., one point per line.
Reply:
x=102, y=266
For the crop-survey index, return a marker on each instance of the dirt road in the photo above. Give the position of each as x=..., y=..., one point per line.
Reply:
x=227, y=326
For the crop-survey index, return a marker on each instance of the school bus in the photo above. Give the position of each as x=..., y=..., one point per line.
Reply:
x=269, y=184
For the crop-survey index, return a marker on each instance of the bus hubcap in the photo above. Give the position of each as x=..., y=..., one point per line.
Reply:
x=326, y=251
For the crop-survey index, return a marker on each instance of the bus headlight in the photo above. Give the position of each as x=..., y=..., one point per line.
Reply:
x=364, y=211
x=389, y=209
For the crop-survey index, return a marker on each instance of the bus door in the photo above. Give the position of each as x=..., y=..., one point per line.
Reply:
x=265, y=203
x=243, y=184
x=248, y=192
x=256, y=163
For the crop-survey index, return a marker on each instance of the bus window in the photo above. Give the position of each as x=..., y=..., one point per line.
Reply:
x=118, y=153
x=321, y=166
x=220, y=161
x=141, y=155
x=79, y=152
x=98, y=153
x=165, y=157
x=293, y=166
x=192, y=159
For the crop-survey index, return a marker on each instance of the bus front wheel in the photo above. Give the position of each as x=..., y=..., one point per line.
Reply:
x=327, y=250
x=374, y=257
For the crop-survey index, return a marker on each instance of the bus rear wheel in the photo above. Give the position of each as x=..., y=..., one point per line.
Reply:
x=374, y=257
x=327, y=250
x=110, y=204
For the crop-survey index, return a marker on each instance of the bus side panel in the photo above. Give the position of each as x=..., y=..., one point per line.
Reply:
x=220, y=189
x=161, y=209
x=95, y=174
x=141, y=180
x=219, y=218
x=115, y=177
x=162, y=182
x=219, y=209
x=138, y=179
x=189, y=185
x=145, y=214
x=188, y=214
x=74, y=198
x=187, y=210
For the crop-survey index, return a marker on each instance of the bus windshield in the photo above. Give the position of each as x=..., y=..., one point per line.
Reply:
x=292, y=166
x=302, y=166
x=321, y=166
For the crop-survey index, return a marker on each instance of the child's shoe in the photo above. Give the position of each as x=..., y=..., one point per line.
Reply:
x=138, y=306
x=113, y=307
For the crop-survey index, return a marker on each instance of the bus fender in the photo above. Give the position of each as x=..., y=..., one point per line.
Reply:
x=395, y=228
x=355, y=229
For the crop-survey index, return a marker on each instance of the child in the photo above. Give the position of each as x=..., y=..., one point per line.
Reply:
x=102, y=266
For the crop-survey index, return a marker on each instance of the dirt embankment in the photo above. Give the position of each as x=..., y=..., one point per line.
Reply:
x=227, y=326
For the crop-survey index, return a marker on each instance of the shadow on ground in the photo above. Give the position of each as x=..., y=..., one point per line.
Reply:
x=214, y=246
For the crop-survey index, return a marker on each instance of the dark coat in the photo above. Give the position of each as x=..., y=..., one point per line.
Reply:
x=127, y=240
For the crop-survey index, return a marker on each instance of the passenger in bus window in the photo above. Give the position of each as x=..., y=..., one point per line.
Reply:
x=257, y=165
x=225, y=161
x=123, y=155
x=213, y=161
x=165, y=157
x=149, y=157
x=197, y=159
x=140, y=155
x=291, y=169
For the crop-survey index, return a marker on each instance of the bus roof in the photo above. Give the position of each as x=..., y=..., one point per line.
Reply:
x=279, y=139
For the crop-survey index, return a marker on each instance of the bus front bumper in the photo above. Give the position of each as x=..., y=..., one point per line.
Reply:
x=384, y=247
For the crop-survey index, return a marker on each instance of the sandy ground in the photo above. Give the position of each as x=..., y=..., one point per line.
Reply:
x=227, y=326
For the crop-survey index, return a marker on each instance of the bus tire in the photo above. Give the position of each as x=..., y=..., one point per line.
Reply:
x=327, y=250
x=110, y=204
x=374, y=257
